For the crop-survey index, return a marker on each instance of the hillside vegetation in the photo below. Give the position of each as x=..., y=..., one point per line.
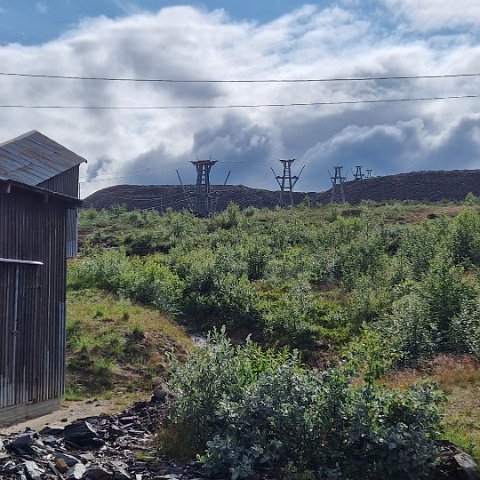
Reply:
x=365, y=293
x=116, y=346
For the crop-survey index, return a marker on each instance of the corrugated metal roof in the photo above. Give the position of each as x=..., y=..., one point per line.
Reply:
x=34, y=158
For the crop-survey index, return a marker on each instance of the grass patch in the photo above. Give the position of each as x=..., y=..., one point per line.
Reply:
x=115, y=345
x=459, y=378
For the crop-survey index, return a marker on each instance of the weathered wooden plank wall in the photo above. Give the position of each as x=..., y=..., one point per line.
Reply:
x=65, y=183
x=32, y=298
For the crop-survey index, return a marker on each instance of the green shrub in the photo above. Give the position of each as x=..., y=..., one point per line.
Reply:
x=368, y=301
x=436, y=315
x=103, y=270
x=464, y=329
x=410, y=329
x=292, y=317
x=249, y=412
x=230, y=218
x=212, y=373
x=321, y=426
x=149, y=281
x=420, y=245
x=465, y=237
x=257, y=258
x=146, y=280
x=444, y=293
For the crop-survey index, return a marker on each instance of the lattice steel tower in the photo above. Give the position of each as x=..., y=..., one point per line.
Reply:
x=369, y=173
x=287, y=181
x=358, y=175
x=203, y=199
x=338, y=195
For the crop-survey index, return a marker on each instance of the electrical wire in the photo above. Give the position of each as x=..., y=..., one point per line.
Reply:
x=104, y=180
x=283, y=80
x=85, y=179
x=223, y=107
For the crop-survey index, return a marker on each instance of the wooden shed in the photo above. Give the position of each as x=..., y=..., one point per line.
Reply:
x=38, y=207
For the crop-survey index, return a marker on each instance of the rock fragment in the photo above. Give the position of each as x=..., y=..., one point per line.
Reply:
x=468, y=466
x=23, y=443
x=32, y=470
x=96, y=448
x=82, y=433
x=76, y=472
x=96, y=472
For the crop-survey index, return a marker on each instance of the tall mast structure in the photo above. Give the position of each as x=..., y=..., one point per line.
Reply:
x=287, y=181
x=203, y=200
x=359, y=175
x=338, y=194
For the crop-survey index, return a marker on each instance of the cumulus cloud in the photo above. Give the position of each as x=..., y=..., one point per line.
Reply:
x=430, y=15
x=148, y=146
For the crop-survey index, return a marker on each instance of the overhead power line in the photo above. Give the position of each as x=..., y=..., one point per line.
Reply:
x=223, y=107
x=101, y=176
x=281, y=80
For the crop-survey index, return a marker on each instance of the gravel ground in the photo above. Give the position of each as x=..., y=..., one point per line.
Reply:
x=70, y=411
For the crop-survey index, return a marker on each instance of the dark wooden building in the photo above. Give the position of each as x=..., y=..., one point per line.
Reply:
x=38, y=206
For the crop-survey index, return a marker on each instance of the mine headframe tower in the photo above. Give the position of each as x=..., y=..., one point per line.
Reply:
x=337, y=192
x=287, y=181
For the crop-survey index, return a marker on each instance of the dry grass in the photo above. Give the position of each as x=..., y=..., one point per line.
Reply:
x=459, y=378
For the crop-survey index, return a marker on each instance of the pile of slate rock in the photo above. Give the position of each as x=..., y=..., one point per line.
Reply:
x=122, y=447
x=107, y=447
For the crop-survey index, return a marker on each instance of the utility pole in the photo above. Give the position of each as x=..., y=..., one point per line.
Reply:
x=338, y=195
x=287, y=181
x=203, y=204
x=358, y=175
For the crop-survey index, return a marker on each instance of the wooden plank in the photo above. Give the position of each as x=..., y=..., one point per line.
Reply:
x=20, y=413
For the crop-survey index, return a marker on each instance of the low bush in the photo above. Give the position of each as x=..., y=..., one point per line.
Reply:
x=245, y=411
x=218, y=371
x=146, y=280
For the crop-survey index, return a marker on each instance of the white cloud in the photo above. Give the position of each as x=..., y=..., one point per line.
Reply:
x=429, y=15
x=41, y=7
x=187, y=43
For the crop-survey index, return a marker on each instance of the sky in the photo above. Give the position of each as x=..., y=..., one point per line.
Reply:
x=197, y=44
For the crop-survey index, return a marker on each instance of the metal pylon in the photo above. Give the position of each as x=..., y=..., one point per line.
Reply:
x=287, y=181
x=203, y=201
x=358, y=175
x=338, y=195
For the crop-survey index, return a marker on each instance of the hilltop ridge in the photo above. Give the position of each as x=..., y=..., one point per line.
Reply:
x=430, y=186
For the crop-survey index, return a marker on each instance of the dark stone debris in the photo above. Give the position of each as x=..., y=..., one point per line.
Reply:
x=107, y=447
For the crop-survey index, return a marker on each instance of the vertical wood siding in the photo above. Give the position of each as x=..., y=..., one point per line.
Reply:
x=65, y=183
x=32, y=298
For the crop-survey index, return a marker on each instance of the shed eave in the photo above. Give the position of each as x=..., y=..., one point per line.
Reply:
x=75, y=202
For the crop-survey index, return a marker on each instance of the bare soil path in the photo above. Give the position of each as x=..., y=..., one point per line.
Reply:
x=74, y=410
